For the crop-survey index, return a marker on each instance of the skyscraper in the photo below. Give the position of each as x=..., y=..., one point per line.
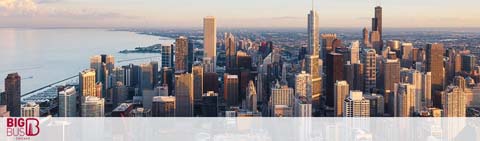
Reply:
x=327, y=44
x=366, y=37
x=167, y=56
x=146, y=76
x=391, y=73
x=469, y=63
x=334, y=65
x=355, y=52
x=181, y=54
x=67, y=102
x=210, y=104
x=434, y=64
x=92, y=106
x=231, y=89
x=281, y=95
x=377, y=29
x=87, y=83
x=341, y=92
x=454, y=102
x=369, y=59
x=231, y=51
x=355, y=105
x=163, y=106
x=210, y=39
x=197, y=72
x=184, y=95
x=12, y=94
x=30, y=109
x=251, y=100
x=303, y=86
x=313, y=60
x=405, y=100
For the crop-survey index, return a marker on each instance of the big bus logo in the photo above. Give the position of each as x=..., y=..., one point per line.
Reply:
x=22, y=127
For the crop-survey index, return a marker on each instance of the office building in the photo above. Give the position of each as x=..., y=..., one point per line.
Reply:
x=12, y=94
x=281, y=95
x=355, y=52
x=184, y=95
x=391, y=73
x=377, y=104
x=369, y=60
x=231, y=89
x=341, y=92
x=434, y=64
x=454, y=102
x=366, y=37
x=405, y=94
x=30, y=109
x=197, y=71
x=231, y=51
x=181, y=54
x=355, y=105
x=210, y=104
x=334, y=65
x=92, y=106
x=210, y=39
x=251, y=99
x=302, y=108
x=67, y=102
x=468, y=63
x=87, y=83
x=167, y=56
x=303, y=86
x=163, y=106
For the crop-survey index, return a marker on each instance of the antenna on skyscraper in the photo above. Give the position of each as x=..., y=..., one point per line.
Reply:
x=312, y=4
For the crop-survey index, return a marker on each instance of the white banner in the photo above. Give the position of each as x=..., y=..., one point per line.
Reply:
x=246, y=129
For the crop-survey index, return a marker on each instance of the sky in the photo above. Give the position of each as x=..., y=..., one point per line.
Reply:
x=236, y=13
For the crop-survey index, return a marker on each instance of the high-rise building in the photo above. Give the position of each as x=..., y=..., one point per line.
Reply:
x=454, y=102
x=302, y=108
x=231, y=50
x=67, y=102
x=341, y=92
x=458, y=63
x=210, y=39
x=366, y=37
x=167, y=79
x=375, y=41
x=167, y=56
x=251, y=99
x=377, y=27
x=92, y=106
x=427, y=89
x=155, y=66
x=120, y=94
x=313, y=32
x=327, y=44
x=87, y=83
x=231, y=89
x=210, y=104
x=377, y=104
x=30, y=109
x=281, y=95
x=405, y=100
x=146, y=76
x=334, y=65
x=181, y=54
x=369, y=60
x=469, y=62
x=434, y=64
x=184, y=95
x=303, y=86
x=391, y=73
x=355, y=52
x=163, y=106
x=12, y=94
x=197, y=71
x=355, y=105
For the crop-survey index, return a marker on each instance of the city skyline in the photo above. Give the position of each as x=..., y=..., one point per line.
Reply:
x=233, y=14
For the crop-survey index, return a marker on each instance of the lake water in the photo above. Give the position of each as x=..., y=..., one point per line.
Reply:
x=44, y=56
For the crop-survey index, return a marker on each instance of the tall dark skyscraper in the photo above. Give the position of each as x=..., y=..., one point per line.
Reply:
x=12, y=93
x=377, y=31
x=434, y=56
x=181, y=54
x=334, y=65
x=231, y=51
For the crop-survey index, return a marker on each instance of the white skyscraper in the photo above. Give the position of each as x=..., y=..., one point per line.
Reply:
x=454, y=102
x=210, y=39
x=251, y=97
x=355, y=105
x=405, y=99
x=67, y=102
